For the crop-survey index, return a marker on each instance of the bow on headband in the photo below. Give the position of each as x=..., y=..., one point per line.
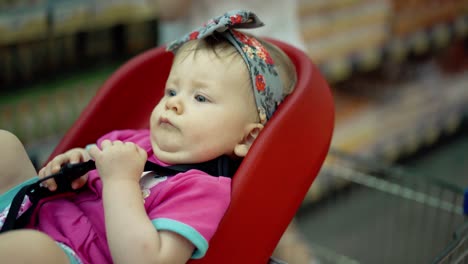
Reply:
x=266, y=82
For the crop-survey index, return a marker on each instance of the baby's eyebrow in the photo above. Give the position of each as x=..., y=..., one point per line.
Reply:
x=201, y=84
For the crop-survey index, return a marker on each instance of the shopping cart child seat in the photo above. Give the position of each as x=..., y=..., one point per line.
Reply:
x=273, y=178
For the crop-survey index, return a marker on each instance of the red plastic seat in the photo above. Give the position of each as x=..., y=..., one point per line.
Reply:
x=273, y=179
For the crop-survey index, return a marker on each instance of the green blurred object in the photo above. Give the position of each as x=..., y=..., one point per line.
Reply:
x=48, y=109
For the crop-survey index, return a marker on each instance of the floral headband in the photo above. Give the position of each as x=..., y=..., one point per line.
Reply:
x=267, y=84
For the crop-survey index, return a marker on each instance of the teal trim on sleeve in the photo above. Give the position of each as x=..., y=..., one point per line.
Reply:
x=7, y=197
x=200, y=243
x=72, y=257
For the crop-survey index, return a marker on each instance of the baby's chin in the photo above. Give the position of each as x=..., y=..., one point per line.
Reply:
x=176, y=155
x=181, y=157
x=173, y=157
x=167, y=157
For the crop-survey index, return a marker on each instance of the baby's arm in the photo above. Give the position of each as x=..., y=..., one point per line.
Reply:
x=131, y=235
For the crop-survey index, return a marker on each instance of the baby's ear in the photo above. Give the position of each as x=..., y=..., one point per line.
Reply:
x=251, y=132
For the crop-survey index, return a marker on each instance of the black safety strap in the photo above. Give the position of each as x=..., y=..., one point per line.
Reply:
x=222, y=166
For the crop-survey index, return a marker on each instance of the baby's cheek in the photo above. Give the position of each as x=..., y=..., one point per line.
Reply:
x=153, y=118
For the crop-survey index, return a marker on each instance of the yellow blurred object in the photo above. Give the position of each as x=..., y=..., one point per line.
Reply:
x=25, y=24
x=71, y=16
x=412, y=16
x=108, y=13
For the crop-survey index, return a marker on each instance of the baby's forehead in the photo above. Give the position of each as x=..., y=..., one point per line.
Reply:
x=223, y=57
x=198, y=55
x=221, y=50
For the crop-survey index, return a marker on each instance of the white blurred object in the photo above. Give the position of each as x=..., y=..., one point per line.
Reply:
x=280, y=17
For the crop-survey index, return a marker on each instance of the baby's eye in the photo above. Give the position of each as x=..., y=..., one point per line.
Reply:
x=200, y=98
x=170, y=92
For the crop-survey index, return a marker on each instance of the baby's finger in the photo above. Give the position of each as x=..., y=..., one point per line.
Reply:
x=142, y=152
x=106, y=143
x=49, y=184
x=93, y=151
x=57, y=163
x=46, y=170
x=80, y=182
x=117, y=143
x=41, y=172
x=75, y=157
x=85, y=156
x=52, y=168
x=130, y=144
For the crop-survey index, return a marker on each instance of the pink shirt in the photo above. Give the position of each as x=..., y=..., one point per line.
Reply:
x=190, y=204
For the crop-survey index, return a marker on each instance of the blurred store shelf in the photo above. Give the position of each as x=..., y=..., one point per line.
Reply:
x=40, y=115
x=68, y=17
x=345, y=36
x=342, y=36
x=108, y=13
x=23, y=24
x=55, y=18
x=338, y=33
x=396, y=121
x=395, y=49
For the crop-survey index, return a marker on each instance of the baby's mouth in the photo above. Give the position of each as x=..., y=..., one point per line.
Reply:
x=165, y=122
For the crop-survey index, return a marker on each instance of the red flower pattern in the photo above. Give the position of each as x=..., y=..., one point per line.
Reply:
x=237, y=19
x=194, y=35
x=241, y=37
x=260, y=82
x=254, y=43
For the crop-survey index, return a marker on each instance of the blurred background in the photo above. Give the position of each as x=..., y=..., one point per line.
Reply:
x=392, y=188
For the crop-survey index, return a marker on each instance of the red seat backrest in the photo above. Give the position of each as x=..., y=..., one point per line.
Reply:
x=273, y=179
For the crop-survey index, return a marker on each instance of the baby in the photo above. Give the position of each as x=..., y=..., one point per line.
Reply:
x=222, y=89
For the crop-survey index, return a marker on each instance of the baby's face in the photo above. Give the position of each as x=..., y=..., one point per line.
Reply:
x=205, y=110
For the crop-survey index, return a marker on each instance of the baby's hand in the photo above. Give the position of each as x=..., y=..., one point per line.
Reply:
x=119, y=160
x=75, y=155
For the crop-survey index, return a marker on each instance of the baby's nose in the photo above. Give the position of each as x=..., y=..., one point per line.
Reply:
x=174, y=103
